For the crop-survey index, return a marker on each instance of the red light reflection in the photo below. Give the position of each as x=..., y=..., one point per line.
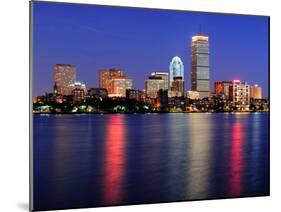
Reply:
x=114, y=160
x=236, y=163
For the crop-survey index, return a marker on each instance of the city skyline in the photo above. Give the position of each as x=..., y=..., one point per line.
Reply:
x=139, y=68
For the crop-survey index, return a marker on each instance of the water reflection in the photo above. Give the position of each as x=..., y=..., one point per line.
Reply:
x=63, y=158
x=199, y=156
x=258, y=149
x=176, y=157
x=114, y=163
x=83, y=161
x=236, y=159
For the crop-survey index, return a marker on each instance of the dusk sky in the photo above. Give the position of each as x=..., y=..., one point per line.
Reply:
x=141, y=41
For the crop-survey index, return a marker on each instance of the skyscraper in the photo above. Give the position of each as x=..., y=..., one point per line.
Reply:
x=64, y=75
x=200, y=70
x=176, y=69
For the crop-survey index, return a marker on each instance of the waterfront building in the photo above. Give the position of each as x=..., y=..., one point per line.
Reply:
x=225, y=87
x=256, y=92
x=50, y=98
x=162, y=99
x=200, y=65
x=176, y=104
x=78, y=84
x=172, y=93
x=222, y=88
x=64, y=75
x=218, y=88
x=176, y=69
x=239, y=93
x=135, y=94
x=105, y=77
x=97, y=92
x=60, y=99
x=117, y=86
x=192, y=95
x=152, y=85
x=164, y=76
x=78, y=95
x=40, y=99
x=177, y=88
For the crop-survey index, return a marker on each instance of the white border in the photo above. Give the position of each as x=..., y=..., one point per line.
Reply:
x=14, y=107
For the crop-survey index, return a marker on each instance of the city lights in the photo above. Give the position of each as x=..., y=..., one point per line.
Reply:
x=164, y=91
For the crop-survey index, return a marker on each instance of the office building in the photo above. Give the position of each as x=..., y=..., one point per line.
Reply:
x=162, y=99
x=79, y=85
x=192, y=95
x=177, y=88
x=137, y=95
x=64, y=75
x=222, y=88
x=218, y=88
x=256, y=92
x=105, y=76
x=164, y=76
x=153, y=84
x=78, y=95
x=239, y=93
x=200, y=70
x=98, y=92
x=117, y=86
x=176, y=69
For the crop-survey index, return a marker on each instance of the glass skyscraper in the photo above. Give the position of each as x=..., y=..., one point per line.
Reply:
x=176, y=69
x=200, y=70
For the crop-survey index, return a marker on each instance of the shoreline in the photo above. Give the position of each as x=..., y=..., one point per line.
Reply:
x=137, y=113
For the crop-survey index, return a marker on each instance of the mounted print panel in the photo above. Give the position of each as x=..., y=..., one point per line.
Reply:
x=136, y=105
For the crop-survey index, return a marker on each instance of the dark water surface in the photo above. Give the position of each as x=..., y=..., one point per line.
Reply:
x=95, y=160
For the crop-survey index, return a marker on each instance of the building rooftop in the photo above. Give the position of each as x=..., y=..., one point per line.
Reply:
x=200, y=38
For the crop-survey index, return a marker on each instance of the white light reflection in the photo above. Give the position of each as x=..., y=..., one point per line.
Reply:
x=199, y=156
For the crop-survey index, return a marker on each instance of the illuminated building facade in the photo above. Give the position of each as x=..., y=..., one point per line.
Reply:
x=176, y=69
x=162, y=99
x=218, y=89
x=78, y=95
x=239, y=93
x=256, y=92
x=152, y=85
x=164, y=76
x=135, y=94
x=79, y=85
x=192, y=95
x=177, y=88
x=225, y=86
x=200, y=70
x=105, y=77
x=222, y=88
x=117, y=86
x=64, y=75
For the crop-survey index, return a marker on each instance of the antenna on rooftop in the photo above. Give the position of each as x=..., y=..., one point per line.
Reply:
x=200, y=29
